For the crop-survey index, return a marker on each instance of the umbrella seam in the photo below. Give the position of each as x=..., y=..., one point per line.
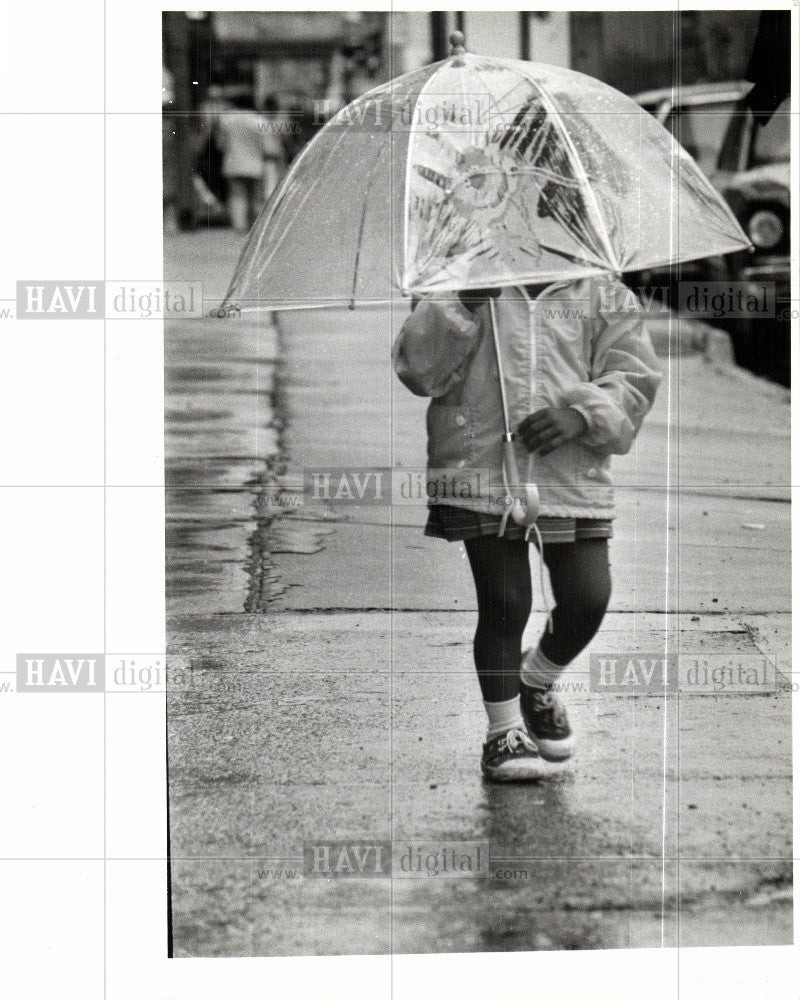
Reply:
x=362, y=223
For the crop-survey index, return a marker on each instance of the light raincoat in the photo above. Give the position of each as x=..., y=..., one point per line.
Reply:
x=581, y=344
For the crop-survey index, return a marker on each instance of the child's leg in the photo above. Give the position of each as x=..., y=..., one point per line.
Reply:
x=503, y=584
x=580, y=578
x=501, y=569
x=581, y=582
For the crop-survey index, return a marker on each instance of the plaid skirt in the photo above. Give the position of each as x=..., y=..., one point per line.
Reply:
x=456, y=524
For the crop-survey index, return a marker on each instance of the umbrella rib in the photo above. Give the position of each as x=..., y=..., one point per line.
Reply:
x=361, y=224
x=578, y=166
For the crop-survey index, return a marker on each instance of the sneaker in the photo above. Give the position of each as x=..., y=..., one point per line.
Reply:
x=512, y=756
x=546, y=719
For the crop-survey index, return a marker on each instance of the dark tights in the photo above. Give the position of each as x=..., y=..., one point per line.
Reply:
x=581, y=583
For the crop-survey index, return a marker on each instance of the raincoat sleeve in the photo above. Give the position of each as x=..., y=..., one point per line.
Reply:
x=624, y=369
x=435, y=346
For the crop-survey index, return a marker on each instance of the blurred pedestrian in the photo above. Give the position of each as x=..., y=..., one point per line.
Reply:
x=244, y=137
x=277, y=125
x=210, y=156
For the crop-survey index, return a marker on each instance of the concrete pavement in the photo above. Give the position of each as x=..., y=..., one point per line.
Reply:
x=221, y=429
x=350, y=709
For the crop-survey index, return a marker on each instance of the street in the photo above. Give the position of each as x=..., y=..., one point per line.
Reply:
x=334, y=696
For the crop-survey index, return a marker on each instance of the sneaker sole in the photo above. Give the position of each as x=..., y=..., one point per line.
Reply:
x=539, y=774
x=554, y=751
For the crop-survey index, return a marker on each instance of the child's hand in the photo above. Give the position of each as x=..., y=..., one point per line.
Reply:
x=474, y=297
x=548, y=429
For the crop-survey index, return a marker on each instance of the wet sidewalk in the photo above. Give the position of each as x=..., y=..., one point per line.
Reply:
x=222, y=434
x=350, y=710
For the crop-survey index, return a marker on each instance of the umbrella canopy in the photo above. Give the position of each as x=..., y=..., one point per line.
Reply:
x=476, y=172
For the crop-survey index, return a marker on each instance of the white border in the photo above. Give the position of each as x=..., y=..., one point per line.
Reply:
x=53, y=940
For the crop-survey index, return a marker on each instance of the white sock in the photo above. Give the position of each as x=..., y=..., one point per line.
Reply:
x=537, y=671
x=503, y=715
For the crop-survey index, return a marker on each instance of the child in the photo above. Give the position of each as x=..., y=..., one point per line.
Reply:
x=579, y=377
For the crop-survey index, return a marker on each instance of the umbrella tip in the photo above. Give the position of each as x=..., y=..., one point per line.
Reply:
x=457, y=43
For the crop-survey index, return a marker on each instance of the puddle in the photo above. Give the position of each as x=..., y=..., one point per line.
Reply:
x=301, y=537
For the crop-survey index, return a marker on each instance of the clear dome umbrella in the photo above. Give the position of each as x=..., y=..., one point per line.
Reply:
x=479, y=172
x=476, y=172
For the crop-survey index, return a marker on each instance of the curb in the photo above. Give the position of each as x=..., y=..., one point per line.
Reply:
x=716, y=348
x=265, y=585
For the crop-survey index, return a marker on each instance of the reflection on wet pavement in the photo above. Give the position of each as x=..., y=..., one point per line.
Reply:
x=222, y=443
x=652, y=836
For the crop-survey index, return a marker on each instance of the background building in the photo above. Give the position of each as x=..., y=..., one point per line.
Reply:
x=305, y=65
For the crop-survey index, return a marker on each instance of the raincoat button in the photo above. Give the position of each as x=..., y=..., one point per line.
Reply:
x=461, y=420
x=461, y=463
x=591, y=473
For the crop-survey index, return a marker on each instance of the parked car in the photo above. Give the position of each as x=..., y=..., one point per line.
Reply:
x=697, y=115
x=753, y=175
x=749, y=165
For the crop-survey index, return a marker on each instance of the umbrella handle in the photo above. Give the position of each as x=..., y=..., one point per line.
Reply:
x=522, y=499
x=498, y=356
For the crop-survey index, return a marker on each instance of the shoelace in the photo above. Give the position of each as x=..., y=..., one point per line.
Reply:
x=515, y=738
